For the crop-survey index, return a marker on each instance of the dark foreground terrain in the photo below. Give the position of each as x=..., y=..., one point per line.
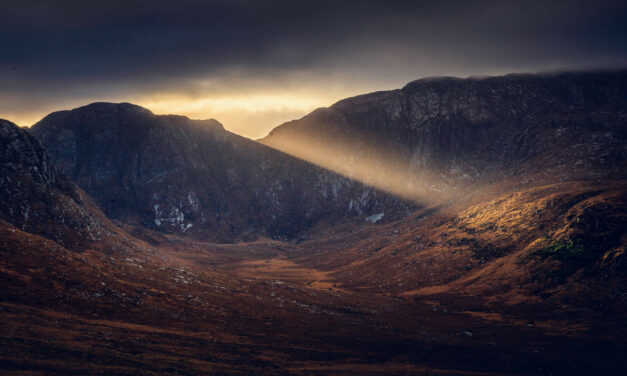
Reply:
x=403, y=298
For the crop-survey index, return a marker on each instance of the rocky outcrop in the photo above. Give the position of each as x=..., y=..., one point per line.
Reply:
x=185, y=176
x=39, y=200
x=441, y=135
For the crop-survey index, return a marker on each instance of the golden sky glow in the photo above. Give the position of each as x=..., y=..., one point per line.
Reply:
x=254, y=65
x=251, y=115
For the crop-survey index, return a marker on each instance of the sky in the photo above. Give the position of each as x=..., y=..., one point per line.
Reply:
x=253, y=65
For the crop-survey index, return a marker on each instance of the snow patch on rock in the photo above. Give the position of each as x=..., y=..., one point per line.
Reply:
x=374, y=218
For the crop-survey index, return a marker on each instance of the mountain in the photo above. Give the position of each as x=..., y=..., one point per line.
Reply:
x=447, y=136
x=39, y=200
x=383, y=153
x=182, y=176
x=522, y=179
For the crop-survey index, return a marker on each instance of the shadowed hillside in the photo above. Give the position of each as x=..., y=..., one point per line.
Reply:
x=445, y=137
x=177, y=175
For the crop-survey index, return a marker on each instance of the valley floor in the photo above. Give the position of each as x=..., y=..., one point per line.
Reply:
x=339, y=303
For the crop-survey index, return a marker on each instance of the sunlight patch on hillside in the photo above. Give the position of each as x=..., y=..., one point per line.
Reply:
x=385, y=169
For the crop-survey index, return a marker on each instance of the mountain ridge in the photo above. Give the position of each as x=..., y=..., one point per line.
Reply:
x=432, y=140
x=451, y=132
x=168, y=172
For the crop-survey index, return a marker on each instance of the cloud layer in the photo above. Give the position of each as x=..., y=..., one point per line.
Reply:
x=253, y=64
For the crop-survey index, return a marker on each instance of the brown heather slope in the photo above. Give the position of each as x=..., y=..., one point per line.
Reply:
x=193, y=308
x=67, y=313
x=534, y=253
x=442, y=244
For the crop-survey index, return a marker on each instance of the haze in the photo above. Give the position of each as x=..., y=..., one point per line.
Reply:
x=253, y=65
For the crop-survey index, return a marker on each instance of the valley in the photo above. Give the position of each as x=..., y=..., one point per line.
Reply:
x=483, y=233
x=273, y=307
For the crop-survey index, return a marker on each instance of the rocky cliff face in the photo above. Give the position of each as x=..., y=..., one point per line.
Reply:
x=185, y=176
x=442, y=135
x=431, y=140
x=36, y=198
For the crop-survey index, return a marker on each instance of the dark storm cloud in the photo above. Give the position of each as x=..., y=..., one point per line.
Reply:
x=52, y=50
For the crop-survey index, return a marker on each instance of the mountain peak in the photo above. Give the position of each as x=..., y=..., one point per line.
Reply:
x=173, y=174
x=120, y=114
x=20, y=151
x=444, y=133
x=108, y=106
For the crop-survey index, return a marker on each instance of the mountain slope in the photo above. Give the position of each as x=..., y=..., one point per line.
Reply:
x=185, y=176
x=39, y=200
x=440, y=136
x=528, y=242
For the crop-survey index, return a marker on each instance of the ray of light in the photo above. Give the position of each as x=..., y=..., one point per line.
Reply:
x=398, y=171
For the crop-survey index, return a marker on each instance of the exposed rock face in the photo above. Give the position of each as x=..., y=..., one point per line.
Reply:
x=35, y=198
x=193, y=177
x=432, y=139
x=442, y=134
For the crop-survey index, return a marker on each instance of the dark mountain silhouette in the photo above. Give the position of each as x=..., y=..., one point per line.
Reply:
x=39, y=200
x=432, y=140
x=440, y=135
x=186, y=176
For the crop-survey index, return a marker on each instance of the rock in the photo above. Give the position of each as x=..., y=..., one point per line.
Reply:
x=38, y=199
x=438, y=137
x=183, y=176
